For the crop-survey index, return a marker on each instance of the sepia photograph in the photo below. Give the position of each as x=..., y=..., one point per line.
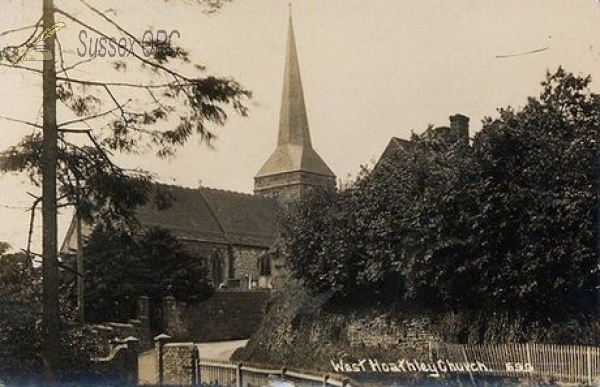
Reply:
x=299, y=193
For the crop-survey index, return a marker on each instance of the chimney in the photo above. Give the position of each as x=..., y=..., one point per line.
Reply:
x=459, y=127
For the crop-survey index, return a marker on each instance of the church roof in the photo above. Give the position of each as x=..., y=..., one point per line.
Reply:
x=294, y=147
x=204, y=215
x=290, y=158
x=213, y=215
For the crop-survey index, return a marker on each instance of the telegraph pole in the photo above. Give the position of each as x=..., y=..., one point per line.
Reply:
x=51, y=317
x=80, y=269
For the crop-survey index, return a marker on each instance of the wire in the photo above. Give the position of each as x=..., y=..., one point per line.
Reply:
x=523, y=53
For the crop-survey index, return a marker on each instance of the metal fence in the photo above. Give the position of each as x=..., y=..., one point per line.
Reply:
x=561, y=363
x=226, y=373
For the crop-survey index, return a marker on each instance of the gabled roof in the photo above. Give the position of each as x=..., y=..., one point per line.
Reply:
x=204, y=215
x=213, y=215
x=396, y=144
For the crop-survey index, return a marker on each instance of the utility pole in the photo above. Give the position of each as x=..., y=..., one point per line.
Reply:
x=51, y=317
x=80, y=270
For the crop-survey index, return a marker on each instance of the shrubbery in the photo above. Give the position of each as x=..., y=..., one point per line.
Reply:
x=507, y=223
x=121, y=267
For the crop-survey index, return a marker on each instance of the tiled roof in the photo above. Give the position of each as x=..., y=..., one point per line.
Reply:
x=396, y=145
x=213, y=215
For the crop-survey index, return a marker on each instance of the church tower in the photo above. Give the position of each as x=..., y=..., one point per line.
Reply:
x=294, y=167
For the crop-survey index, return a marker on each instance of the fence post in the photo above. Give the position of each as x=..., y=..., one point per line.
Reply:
x=238, y=375
x=325, y=378
x=589, y=365
x=283, y=371
x=132, y=359
x=195, y=367
x=464, y=351
x=529, y=359
x=159, y=343
x=430, y=351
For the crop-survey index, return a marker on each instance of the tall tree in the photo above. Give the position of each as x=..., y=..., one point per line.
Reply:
x=507, y=223
x=121, y=267
x=75, y=173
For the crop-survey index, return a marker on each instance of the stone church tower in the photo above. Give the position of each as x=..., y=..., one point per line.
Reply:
x=294, y=167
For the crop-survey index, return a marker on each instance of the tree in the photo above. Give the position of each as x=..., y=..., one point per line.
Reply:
x=85, y=175
x=20, y=293
x=536, y=193
x=506, y=224
x=120, y=268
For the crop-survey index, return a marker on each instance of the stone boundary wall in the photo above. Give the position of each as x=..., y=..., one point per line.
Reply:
x=179, y=363
x=302, y=331
x=379, y=331
x=139, y=328
x=120, y=366
x=229, y=315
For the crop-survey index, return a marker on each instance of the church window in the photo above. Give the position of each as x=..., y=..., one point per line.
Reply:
x=264, y=264
x=217, y=268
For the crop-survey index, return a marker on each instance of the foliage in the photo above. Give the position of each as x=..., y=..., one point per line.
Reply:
x=19, y=314
x=174, y=100
x=120, y=268
x=506, y=223
x=20, y=330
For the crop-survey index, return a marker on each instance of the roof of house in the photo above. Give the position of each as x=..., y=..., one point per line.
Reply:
x=205, y=215
x=395, y=145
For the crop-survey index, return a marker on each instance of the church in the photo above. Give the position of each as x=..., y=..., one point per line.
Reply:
x=233, y=231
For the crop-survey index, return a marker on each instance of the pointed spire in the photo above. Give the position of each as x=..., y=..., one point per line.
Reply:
x=294, y=166
x=293, y=121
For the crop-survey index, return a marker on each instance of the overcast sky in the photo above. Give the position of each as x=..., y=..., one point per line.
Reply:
x=371, y=69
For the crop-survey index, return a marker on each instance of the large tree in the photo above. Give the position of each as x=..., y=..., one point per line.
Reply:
x=69, y=159
x=121, y=267
x=506, y=223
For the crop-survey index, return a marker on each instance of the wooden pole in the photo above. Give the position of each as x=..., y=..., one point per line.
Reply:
x=50, y=282
x=80, y=272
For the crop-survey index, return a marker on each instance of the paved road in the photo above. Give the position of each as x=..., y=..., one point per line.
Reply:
x=214, y=350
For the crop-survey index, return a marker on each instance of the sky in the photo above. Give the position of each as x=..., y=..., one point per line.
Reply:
x=371, y=70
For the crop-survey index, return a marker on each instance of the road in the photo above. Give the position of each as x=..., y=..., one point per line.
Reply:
x=214, y=350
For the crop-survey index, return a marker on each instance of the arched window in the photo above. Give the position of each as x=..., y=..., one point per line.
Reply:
x=264, y=265
x=217, y=267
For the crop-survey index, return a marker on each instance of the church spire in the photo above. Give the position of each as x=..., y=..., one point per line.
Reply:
x=294, y=166
x=293, y=122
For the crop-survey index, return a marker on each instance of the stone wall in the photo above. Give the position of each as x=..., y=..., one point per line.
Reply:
x=379, y=330
x=120, y=365
x=246, y=262
x=175, y=320
x=239, y=262
x=178, y=363
x=227, y=315
x=307, y=332
x=138, y=328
